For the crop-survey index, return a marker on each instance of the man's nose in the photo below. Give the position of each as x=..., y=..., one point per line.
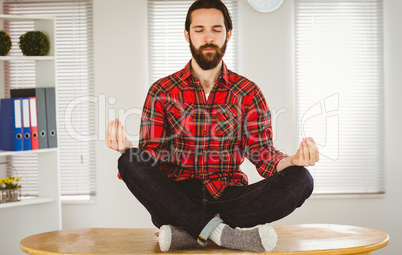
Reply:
x=209, y=38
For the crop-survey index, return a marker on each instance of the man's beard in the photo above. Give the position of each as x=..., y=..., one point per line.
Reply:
x=208, y=60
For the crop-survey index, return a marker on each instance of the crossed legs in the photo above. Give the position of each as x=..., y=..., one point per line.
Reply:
x=192, y=215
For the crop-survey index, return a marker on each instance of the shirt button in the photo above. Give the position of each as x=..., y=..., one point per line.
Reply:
x=205, y=132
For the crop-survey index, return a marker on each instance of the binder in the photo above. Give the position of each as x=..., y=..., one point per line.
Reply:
x=34, y=124
x=11, y=124
x=39, y=93
x=26, y=124
x=51, y=117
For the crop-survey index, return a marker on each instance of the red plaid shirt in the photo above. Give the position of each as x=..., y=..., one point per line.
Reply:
x=208, y=139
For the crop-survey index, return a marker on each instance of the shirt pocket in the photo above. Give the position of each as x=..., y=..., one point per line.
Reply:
x=180, y=118
x=228, y=120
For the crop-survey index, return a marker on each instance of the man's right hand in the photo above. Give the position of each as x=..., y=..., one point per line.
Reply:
x=116, y=137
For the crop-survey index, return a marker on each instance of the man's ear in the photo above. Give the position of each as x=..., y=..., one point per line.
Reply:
x=228, y=35
x=187, y=35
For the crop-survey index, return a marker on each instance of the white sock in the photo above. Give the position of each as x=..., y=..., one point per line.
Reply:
x=217, y=233
x=269, y=238
x=165, y=238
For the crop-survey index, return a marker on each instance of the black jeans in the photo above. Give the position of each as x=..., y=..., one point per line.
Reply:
x=189, y=205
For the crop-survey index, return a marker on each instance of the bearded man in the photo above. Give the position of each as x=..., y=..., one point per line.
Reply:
x=198, y=125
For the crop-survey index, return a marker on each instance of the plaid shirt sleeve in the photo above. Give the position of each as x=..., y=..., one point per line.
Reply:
x=257, y=137
x=152, y=131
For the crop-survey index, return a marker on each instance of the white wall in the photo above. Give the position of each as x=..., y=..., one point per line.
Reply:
x=120, y=38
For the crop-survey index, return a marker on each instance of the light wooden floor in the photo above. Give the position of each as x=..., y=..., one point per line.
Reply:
x=295, y=239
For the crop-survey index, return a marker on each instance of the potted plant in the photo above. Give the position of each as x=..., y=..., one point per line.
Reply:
x=34, y=43
x=5, y=43
x=10, y=189
x=3, y=191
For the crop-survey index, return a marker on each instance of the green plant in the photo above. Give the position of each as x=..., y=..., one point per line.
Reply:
x=5, y=43
x=34, y=43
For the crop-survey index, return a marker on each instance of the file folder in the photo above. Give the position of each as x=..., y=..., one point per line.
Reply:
x=11, y=124
x=39, y=93
x=34, y=124
x=51, y=117
x=26, y=125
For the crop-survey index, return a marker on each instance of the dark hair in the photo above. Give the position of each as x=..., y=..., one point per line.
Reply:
x=209, y=4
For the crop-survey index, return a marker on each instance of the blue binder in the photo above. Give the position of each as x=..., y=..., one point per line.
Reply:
x=11, y=124
x=26, y=124
x=40, y=95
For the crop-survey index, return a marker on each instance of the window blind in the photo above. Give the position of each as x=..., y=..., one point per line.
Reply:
x=20, y=74
x=339, y=91
x=168, y=50
x=74, y=78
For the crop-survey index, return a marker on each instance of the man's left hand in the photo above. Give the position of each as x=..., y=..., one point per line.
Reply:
x=307, y=154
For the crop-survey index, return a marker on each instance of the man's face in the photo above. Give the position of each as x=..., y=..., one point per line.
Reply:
x=207, y=37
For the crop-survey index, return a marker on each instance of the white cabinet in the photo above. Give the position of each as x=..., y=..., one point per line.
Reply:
x=30, y=216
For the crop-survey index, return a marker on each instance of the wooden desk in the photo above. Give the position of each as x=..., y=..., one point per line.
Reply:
x=295, y=239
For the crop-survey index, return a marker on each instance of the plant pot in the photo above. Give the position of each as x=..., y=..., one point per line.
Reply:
x=3, y=195
x=10, y=195
x=15, y=195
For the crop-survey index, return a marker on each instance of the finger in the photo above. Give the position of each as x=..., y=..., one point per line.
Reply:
x=122, y=140
x=311, y=150
x=118, y=135
x=317, y=151
x=306, y=153
x=127, y=143
x=302, y=155
x=113, y=136
x=314, y=152
x=108, y=135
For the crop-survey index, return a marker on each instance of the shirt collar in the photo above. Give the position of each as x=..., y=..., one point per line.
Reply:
x=186, y=74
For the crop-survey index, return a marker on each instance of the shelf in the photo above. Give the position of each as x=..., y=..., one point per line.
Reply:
x=42, y=213
x=16, y=153
x=27, y=58
x=24, y=17
x=27, y=201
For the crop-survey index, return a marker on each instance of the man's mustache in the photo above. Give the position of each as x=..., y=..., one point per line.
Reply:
x=209, y=45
